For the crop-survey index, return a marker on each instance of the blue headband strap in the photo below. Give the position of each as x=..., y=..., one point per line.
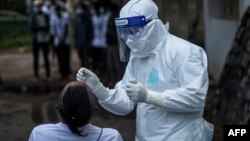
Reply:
x=130, y=21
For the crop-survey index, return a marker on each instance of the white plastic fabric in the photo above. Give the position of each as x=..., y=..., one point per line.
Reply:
x=174, y=68
x=60, y=132
x=149, y=38
x=137, y=8
x=129, y=28
x=145, y=8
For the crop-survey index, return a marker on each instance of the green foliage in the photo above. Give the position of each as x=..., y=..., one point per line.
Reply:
x=13, y=5
x=14, y=33
x=15, y=41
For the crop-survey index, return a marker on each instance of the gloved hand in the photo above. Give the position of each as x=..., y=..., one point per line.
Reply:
x=93, y=82
x=138, y=93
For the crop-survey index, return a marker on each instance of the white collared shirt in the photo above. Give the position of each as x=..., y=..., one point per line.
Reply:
x=61, y=132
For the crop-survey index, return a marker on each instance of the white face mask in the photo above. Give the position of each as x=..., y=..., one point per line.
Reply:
x=140, y=46
x=143, y=46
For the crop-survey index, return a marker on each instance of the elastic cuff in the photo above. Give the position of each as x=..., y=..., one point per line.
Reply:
x=155, y=98
x=102, y=93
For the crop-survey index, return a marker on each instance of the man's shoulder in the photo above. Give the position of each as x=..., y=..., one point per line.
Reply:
x=178, y=44
x=179, y=49
x=181, y=46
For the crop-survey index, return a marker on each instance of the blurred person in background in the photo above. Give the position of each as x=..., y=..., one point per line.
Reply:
x=100, y=19
x=49, y=9
x=60, y=25
x=83, y=33
x=39, y=24
x=75, y=107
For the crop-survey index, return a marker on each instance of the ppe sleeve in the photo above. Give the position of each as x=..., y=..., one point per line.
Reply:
x=193, y=79
x=118, y=102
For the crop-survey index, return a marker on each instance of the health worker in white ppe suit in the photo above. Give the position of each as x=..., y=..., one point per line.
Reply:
x=166, y=77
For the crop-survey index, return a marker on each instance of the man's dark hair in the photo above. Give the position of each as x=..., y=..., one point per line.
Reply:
x=75, y=106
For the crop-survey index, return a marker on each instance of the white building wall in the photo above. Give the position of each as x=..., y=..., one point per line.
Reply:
x=243, y=6
x=219, y=34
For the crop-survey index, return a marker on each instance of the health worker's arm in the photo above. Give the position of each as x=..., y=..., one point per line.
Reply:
x=118, y=101
x=114, y=100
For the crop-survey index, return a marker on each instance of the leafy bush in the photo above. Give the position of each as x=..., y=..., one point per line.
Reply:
x=14, y=33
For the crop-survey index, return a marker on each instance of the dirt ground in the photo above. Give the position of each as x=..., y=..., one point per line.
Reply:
x=26, y=101
x=20, y=113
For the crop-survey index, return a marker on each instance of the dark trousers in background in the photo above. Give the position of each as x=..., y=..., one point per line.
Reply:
x=45, y=49
x=83, y=53
x=63, y=57
x=99, y=63
x=99, y=59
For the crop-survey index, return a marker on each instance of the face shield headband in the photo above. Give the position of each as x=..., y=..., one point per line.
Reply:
x=128, y=28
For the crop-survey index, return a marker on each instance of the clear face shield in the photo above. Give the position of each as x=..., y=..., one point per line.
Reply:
x=128, y=28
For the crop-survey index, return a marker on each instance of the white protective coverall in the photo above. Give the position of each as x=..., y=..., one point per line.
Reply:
x=174, y=69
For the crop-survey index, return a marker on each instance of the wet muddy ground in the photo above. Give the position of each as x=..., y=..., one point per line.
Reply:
x=19, y=113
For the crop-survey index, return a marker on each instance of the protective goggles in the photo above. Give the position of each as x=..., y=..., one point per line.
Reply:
x=128, y=28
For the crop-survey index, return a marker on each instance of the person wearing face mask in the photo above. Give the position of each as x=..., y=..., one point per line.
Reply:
x=99, y=19
x=39, y=24
x=83, y=33
x=60, y=29
x=166, y=79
